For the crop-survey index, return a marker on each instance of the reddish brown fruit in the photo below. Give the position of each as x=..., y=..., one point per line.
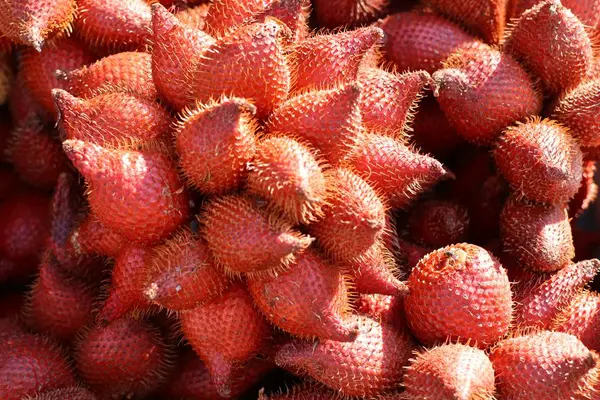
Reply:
x=588, y=11
x=30, y=364
x=248, y=63
x=538, y=298
x=323, y=61
x=393, y=169
x=410, y=254
x=39, y=69
x=31, y=23
x=246, y=239
x=536, y=236
x=176, y=50
x=459, y=292
x=126, y=358
x=225, y=332
x=438, y=223
x=9, y=183
x=215, y=142
x=588, y=191
x=308, y=300
x=290, y=176
x=115, y=24
x=66, y=204
x=375, y=271
x=7, y=77
x=384, y=308
x=377, y=356
x=110, y=118
x=6, y=126
x=308, y=391
x=195, y=16
x=129, y=72
x=568, y=367
x=553, y=44
x=482, y=90
x=581, y=318
x=135, y=193
x=293, y=13
x=71, y=393
x=577, y=111
x=21, y=103
x=348, y=13
x=180, y=274
x=388, y=101
x=550, y=156
x=328, y=120
x=449, y=372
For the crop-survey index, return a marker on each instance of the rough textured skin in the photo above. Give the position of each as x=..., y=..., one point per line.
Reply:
x=567, y=366
x=180, y=274
x=176, y=50
x=110, y=118
x=126, y=358
x=438, y=223
x=115, y=24
x=393, y=169
x=422, y=40
x=195, y=16
x=369, y=365
x=537, y=236
x=246, y=239
x=21, y=102
x=384, y=308
x=305, y=391
x=248, y=63
x=308, y=300
x=7, y=77
x=92, y=237
x=215, y=142
x=581, y=318
x=30, y=364
x=375, y=272
x=482, y=91
x=39, y=69
x=129, y=72
x=538, y=299
x=328, y=120
x=135, y=193
x=450, y=372
x=553, y=44
x=225, y=332
x=459, y=292
x=549, y=154
x=66, y=205
x=588, y=191
x=289, y=174
x=324, y=61
x=32, y=22
x=588, y=11
x=348, y=13
x=577, y=111
x=388, y=101
x=71, y=393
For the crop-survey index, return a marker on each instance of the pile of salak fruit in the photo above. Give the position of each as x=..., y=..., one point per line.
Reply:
x=294, y=199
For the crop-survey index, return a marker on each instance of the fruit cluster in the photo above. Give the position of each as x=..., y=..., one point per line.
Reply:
x=294, y=199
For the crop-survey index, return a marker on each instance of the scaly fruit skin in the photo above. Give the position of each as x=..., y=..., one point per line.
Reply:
x=114, y=24
x=225, y=332
x=215, y=142
x=21, y=102
x=384, y=308
x=176, y=50
x=31, y=22
x=568, y=367
x=328, y=120
x=289, y=174
x=58, y=305
x=482, y=90
x=535, y=235
x=348, y=13
x=248, y=63
x=135, y=193
x=7, y=77
x=225, y=15
x=370, y=365
x=438, y=223
x=110, y=118
x=66, y=205
x=30, y=364
x=70, y=393
x=126, y=358
x=449, y=372
x=353, y=216
x=587, y=11
x=550, y=156
x=588, y=191
x=307, y=391
x=324, y=61
x=195, y=16
x=393, y=169
x=91, y=237
x=553, y=44
x=129, y=72
x=246, y=239
x=538, y=299
x=577, y=110
x=581, y=318
x=308, y=300
x=459, y=292
x=181, y=273
x=39, y=69
x=375, y=271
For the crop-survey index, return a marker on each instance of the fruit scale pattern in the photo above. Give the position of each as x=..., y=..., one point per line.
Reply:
x=299, y=199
